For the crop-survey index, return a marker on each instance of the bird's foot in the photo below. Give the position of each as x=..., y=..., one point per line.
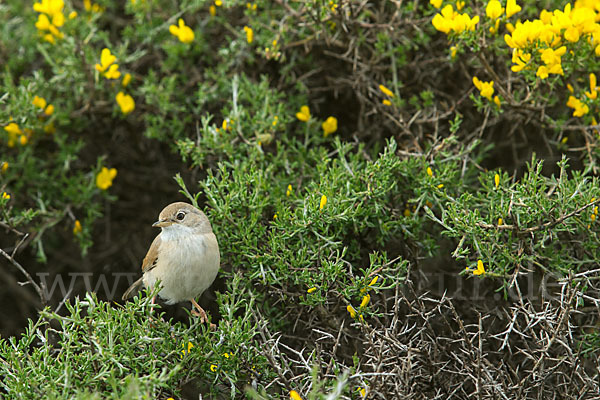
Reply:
x=198, y=311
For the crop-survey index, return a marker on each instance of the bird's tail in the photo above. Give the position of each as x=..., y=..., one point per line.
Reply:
x=132, y=289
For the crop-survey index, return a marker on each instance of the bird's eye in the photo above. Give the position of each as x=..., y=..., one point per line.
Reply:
x=180, y=215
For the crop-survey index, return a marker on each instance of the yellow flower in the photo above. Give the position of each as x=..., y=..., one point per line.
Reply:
x=126, y=80
x=105, y=177
x=213, y=367
x=453, y=51
x=520, y=58
x=304, y=114
x=486, y=89
x=323, y=202
x=579, y=107
x=572, y=34
x=106, y=59
x=58, y=19
x=542, y=72
x=73, y=15
x=386, y=91
x=212, y=10
x=77, y=227
x=497, y=101
x=593, y=93
x=351, y=310
x=87, y=4
x=49, y=110
x=497, y=180
x=460, y=4
x=429, y=171
x=39, y=102
x=43, y=23
x=126, y=102
x=218, y=3
x=49, y=38
x=494, y=9
x=365, y=300
x=113, y=72
x=226, y=355
x=386, y=102
x=512, y=8
x=288, y=192
x=294, y=395
x=5, y=196
x=4, y=166
x=436, y=3
x=13, y=128
x=23, y=140
x=311, y=290
x=374, y=280
x=184, y=33
x=329, y=126
x=249, y=34
x=50, y=7
x=500, y=221
x=480, y=270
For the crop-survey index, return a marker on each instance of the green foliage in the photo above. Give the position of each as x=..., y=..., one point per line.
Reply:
x=537, y=223
x=337, y=148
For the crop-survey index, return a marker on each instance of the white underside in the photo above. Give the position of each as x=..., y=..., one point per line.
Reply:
x=186, y=267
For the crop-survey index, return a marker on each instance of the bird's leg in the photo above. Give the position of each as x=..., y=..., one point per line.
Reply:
x=199, y=312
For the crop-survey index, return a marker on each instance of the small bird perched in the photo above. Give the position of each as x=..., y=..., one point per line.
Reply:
x=184, y=257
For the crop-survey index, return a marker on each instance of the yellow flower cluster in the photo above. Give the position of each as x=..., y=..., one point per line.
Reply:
x=329, y=126
x=486, y=89
x=95, y=8
x=364, y=302
x=16, y=134
x=51, y=18
x=579, y=107
x=548, y=35
x=108, y=66
x=451, y=21
x=41, y=103
x=249, y=34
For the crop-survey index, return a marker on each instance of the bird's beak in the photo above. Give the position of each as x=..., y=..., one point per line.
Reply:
x=162, y=223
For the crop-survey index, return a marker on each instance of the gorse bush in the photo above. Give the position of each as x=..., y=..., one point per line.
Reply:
x=351, y=157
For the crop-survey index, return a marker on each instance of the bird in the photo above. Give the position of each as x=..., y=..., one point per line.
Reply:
x=184, y=257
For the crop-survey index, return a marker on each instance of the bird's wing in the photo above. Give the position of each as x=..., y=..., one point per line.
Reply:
x=152, y=255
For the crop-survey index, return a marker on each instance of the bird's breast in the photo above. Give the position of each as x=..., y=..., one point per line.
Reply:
x=186, y=266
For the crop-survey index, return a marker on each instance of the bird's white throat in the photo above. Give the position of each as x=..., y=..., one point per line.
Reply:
x=176, y=232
